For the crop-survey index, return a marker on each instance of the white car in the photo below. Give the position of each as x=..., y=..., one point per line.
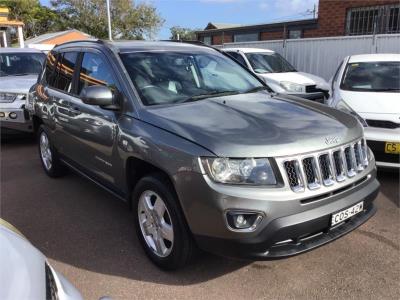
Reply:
x=25, y=272
x=368, y=86
x=19, y=70
x=279, y=74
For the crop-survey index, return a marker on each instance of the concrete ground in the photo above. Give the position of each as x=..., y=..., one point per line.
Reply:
x=87, y=235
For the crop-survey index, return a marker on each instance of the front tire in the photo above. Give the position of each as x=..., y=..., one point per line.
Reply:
x=49, y=156
x=160, y=224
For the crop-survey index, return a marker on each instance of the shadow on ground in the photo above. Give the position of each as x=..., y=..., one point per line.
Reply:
x=390, y=184
x=75, y=222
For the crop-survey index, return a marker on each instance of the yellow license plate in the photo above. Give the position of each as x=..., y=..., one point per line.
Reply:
x=393, y=148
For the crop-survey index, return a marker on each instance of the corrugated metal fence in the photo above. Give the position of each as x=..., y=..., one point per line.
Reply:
x=321, y=56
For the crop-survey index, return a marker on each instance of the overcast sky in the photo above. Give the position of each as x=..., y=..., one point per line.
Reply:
x=197, y=13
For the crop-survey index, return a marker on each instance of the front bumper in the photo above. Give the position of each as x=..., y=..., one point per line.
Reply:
x=294, y=234
x=22, y=122
x=376, y=140
x=290, y=226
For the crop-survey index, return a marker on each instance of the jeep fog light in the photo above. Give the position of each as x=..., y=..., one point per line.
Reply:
x=243, y=221
x=12, y=115
x=2, y=114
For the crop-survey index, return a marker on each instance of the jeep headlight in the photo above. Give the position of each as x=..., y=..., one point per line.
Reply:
x=343, y=106
x=250, y=171
x=292, y=87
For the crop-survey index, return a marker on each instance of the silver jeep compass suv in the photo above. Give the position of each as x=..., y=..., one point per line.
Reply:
x=202, y=150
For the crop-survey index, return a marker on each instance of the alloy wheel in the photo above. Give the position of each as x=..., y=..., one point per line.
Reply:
x=45, y=151
x=155, y=223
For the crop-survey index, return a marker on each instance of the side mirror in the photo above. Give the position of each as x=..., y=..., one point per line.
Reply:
x=98, y=95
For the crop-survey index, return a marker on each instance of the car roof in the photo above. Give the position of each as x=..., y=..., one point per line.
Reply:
x=132, y=46
x=19, y=50
x=374, y=57
x=249, y=50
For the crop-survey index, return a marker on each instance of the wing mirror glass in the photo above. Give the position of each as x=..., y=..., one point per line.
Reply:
x=98, y=95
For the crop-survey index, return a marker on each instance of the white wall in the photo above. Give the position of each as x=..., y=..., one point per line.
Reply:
x=321, y=56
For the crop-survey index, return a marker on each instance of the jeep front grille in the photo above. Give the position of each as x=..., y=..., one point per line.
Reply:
x=325, y=168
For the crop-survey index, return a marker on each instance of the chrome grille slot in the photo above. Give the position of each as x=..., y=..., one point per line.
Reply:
x=339, y=165
x=326, y=169
x=364, y=151
x=294, y=175
x=358, y=156
x=350, y=161
x=311, y=172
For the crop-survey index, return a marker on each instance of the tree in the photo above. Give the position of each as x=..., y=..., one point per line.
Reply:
x=129, y=20
x=185, y=34
x=38, y=19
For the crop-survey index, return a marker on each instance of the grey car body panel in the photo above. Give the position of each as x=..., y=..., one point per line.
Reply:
x=255, y=125
x=100, y=143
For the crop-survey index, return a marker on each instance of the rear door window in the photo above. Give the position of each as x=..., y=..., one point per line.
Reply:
x=65, y=71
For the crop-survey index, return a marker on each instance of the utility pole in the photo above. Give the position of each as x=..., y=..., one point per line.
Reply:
x=109, y=20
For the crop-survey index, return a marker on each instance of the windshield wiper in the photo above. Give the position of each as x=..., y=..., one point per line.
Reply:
x=210, y=95
x=256, y=89
x=23, y=74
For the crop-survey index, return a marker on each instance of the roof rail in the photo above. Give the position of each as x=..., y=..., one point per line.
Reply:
x=194, y=42
x=77, y=41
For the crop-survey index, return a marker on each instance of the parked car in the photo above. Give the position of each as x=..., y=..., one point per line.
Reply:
x=200, y=149
x=368, y=86
x=25, y=273
x=279, y=74
x=19, y=70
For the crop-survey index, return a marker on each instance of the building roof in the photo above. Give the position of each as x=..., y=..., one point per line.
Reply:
x=52, y=35
x=273, y=25
x=213, y=25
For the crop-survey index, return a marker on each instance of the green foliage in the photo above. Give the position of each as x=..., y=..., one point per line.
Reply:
x=38, y=19
x=129, y=20
x=184, y=34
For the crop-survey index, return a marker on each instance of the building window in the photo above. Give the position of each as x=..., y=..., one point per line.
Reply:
x=295, y=34
x=373, y=19
x=245, y=37
x=207, y=40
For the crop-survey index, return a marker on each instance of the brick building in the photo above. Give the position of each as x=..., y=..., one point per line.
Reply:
x=335, y=18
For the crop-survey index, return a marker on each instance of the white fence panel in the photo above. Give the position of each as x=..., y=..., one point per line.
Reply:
x=321, y=56
x=388, y=43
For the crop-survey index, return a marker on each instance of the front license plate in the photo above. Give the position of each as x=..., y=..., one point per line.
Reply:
x=393, y=148
x=347, y=213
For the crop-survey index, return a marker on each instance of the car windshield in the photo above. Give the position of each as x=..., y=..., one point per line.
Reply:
x=269, y=63
x=15, y=64
x=372, y=77
x=166, y=77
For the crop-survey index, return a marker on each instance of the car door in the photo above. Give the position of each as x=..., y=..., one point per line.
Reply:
x=59, y=92
x=94, y=140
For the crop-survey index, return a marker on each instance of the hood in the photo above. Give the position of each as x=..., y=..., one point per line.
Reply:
x=372, y=102
x=297, y=77
x=17, y=84
x=22, y=272
x=255, y=125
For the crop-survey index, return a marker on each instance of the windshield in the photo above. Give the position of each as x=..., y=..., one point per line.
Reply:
x=372, y=77
x=269, y=63
x=163, y=77
x=14, y=64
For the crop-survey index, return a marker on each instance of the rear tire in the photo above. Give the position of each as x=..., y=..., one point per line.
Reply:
x=160, y=224
x=49, y=158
